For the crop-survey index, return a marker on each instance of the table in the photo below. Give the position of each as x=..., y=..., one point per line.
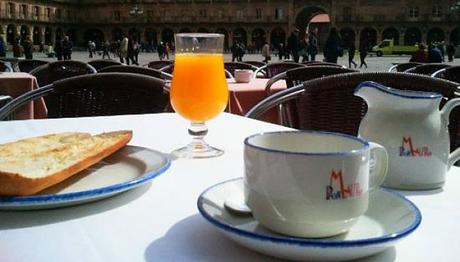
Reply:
x=243, y=96
x=160, y=221
x=18, y=83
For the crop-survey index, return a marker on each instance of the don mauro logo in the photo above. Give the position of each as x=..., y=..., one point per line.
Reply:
x=407, y=149
x=338, y=190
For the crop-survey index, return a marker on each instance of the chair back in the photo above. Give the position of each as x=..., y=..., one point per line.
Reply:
x=159, y=64
x=319, y=63
x=28, y=65
x=98, y=95
x=255, y=63
x=273, y=69
x=169, y=69
x=449, y=73
x=299, y=75
x=98, y=64
x=232, y=66
x=5, y=100
x=51, y=72
x=403, y=66
x=426, y=69
x=136, y=70
x=5, y=67
x=329, y=104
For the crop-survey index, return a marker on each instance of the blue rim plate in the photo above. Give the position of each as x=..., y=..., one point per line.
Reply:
x=130, y=167
x=389, y=218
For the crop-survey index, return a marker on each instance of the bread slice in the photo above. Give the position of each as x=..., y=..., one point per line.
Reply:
x=30, y=165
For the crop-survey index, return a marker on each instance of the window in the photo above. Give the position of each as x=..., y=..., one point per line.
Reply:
x=278, y=13
x=414, y=12
x=23, y=11
x=57, y=13
x=220, y=13
x=36, y=12
x=259, y=13
x=347, y=14
x=10, y=9
x=202, y=12
x=150, y=13
x=116, y=15
x=239, y=13
x=48, y=12
x=437, y=11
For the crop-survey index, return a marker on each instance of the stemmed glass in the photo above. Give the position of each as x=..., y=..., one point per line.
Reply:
x=199, y=89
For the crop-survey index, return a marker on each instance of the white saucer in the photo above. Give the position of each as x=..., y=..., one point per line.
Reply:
x=130, y=167
x=390, y=218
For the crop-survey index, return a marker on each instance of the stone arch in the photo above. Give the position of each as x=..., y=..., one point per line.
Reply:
x=224, y=32
x=48, y=37
x=167, y=35
x=455, y=36
x=435, y=34
x=95, y=35
x=391, y=33
x=202, y=30
x=347, y=34
x=150, y=36
x=412, y=36
x=117, y=34
x=11, y=33
x=304, y=16
x=240, y=36
x=258, y=38
x=36, y=35
x=277, y=36
x=24, y=31
x=370, y=34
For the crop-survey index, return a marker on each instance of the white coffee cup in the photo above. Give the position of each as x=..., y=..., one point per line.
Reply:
x=243, y=75
x=309, y=183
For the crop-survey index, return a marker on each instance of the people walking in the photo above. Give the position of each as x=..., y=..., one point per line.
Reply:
x=27, y=46
x=91, y=48
x=303, y=45
x=434, y=54
x=363, y=49
x=105, y=50
x=450, y=50
x=266, y=53
x=167, y=50
x=332, y=49
x=161, y=51
x=17, y=48
x=351, y=53
x=293, y=45
x=280, y=51
x=419, y=56
x=124, y=50
x=67, y=46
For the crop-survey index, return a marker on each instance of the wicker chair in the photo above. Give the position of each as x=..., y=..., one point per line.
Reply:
x=231, y=66
x=30, y=64
x=403, y=66
x=98, y=64
x=320, y=63
x=426, y=69
x=328, y=103
x=273, y=69
x=449, y=73
x=169, y=69
x=136, y=70
x=255, y=63
x=159, y=64
x=5, y=100
x=51, y=72
x=5, y=67
x=98, y=95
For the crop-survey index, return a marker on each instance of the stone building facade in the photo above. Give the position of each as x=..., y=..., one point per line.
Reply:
x=249, y=21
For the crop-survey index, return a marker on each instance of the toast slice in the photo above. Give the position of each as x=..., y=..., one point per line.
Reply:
x=30, y=165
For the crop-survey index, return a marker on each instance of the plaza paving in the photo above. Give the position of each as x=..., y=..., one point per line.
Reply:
x=374, y=63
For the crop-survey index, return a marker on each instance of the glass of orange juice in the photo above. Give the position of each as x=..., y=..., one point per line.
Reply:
x=199, y=89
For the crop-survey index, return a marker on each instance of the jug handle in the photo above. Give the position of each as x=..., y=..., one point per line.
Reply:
x=445, y=112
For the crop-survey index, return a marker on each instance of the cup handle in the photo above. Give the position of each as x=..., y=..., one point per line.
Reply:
x=445, y=112
x=379, y=169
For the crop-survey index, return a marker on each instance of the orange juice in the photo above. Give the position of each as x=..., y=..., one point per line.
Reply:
x=199, y=89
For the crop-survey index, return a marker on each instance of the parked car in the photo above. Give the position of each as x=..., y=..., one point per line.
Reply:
x=387, y=47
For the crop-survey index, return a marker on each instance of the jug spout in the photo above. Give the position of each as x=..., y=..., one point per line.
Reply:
x=389, y=99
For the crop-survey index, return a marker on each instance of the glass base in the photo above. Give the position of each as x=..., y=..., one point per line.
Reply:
x=197, y=151
x=198, y=148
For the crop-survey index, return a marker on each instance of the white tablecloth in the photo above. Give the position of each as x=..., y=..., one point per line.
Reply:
x=160, y=221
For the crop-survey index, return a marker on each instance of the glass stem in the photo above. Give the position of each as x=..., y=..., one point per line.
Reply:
x=198, y=130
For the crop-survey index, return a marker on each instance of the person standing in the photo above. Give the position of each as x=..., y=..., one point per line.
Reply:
x=450, y=50
x=266, y=53
x=105, y=49
x=161, y=50
x=332, y=49
x=303, y=49
x=312, y=48
x=124, y=50
x=363, y=49
x=293, y=45
x=67, y=46
x=91, y=48
x=2, y=47
x=281, y=51
x=27, y=47
x=167, y=49
x=17, y=49
x=419, y=56
x=351, y=53
x=434, y=54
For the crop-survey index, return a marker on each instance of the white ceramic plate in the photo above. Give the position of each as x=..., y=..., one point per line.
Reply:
x=390, y=217
x=128, y=168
